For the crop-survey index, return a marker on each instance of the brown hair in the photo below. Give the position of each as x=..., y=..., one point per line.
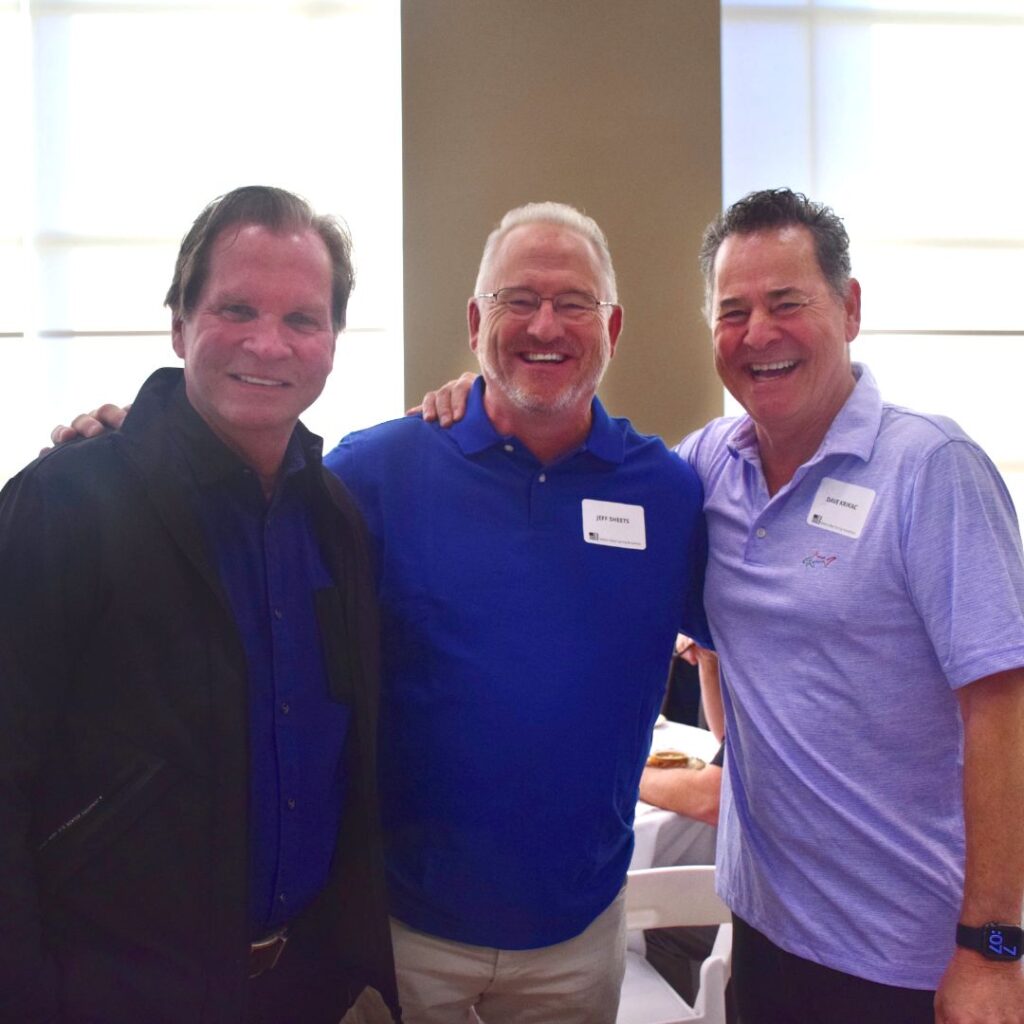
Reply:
x=269, y=207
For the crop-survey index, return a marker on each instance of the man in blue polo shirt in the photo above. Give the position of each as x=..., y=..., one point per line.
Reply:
x=535, y=564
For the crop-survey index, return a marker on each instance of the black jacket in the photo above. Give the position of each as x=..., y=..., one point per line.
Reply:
x=123, y=745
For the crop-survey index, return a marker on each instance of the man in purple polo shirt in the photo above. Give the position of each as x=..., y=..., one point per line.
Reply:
x=865, y=591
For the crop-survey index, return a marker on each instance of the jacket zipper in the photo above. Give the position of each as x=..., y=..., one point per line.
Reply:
x=73, y=820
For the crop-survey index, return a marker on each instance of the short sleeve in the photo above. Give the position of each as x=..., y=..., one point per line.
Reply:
x=964, y=564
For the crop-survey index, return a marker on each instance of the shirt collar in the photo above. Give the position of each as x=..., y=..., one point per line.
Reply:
x=475, y=433
x=852, y=432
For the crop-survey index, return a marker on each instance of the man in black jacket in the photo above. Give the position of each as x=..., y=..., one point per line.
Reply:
x=188, y=808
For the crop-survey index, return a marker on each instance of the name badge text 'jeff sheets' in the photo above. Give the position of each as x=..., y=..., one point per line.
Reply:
x=614, y=524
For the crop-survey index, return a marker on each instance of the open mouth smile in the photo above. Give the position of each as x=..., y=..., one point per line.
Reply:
x=542, y=357
x=260, y=381
x=768, y=371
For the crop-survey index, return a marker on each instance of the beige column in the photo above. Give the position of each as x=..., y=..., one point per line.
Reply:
x=610, y=105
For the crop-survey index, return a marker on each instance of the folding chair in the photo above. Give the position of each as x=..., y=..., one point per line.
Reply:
x=665, y=898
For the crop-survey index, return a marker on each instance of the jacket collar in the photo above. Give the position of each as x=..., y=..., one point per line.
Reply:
x=173, y=452
x=163, y=406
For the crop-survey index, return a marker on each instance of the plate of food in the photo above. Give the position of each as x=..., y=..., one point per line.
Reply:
x=674, y=759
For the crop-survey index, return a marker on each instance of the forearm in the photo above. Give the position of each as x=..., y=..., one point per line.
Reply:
x=975, y=990
x=993, y=711
x=711, y=692
x=694, y=794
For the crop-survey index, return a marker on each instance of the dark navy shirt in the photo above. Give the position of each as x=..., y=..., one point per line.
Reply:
x=270, y=566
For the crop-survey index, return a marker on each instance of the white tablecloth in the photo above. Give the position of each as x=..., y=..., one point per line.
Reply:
x=664, y=837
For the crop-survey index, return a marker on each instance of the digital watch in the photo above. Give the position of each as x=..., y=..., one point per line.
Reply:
x=993, y=940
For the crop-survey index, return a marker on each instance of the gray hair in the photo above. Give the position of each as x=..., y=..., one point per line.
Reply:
x=775, y=208
x=562, y=215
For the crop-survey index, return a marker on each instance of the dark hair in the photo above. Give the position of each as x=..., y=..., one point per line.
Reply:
x=269, y=207
x=779, y=208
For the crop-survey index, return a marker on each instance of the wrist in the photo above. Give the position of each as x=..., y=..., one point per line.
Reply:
x=995, y=941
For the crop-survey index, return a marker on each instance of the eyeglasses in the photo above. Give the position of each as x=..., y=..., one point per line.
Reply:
x=524, y=302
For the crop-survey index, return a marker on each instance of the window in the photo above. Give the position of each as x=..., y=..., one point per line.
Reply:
x=902, y=116
x=128, y=118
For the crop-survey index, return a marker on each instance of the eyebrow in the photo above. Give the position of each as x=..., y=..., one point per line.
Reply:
x=312, y=307
x=732, y=302
x=220, y=298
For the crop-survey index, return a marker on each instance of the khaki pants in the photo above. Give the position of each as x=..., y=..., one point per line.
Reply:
x=572, y=982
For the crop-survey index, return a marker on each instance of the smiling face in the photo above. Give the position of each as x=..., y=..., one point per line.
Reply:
x=259, y=344
x=543, y=365
x=781, y=334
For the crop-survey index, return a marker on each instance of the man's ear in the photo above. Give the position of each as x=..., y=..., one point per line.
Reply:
x=614, y=328
x=177, y=341
x=852, y=306
x=473, y=319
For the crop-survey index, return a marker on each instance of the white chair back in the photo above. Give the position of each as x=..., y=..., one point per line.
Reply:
x=674, y=897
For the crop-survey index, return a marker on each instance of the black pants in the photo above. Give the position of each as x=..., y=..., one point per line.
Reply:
x=772, y=986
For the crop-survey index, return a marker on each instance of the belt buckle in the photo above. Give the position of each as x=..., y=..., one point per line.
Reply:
x=264, y=954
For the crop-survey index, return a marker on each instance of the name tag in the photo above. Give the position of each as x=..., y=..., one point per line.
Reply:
x=841, y=507
x=614, y=525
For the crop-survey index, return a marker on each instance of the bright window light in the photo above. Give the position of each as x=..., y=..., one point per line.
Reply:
x=134, y=116
x=901, y=115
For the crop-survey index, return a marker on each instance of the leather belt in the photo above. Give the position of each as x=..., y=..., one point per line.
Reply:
x=264, y=954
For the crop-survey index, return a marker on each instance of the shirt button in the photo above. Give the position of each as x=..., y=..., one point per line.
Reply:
x=510, y=447
x=282, y=897
x=543, y=478
x=285, y=708
x=278, y=614
x=762, y=532
x=291, y=804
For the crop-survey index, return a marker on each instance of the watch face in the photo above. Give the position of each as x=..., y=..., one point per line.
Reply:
x=1001, y=943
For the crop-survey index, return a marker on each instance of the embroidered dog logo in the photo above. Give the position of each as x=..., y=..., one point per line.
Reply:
x=816, y=560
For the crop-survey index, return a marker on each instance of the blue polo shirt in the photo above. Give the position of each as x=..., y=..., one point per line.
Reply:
x=526, y=643
x=270, y=565
x=847, y=608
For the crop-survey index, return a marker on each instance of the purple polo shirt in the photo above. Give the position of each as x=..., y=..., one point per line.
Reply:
x=846, y=609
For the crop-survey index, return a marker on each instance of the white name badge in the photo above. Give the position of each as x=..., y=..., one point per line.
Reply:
x=614, y=524
x=841, y=507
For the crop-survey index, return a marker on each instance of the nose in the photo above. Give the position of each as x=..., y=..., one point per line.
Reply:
x=761, y=330
x=268, y=339
x=545, y=324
